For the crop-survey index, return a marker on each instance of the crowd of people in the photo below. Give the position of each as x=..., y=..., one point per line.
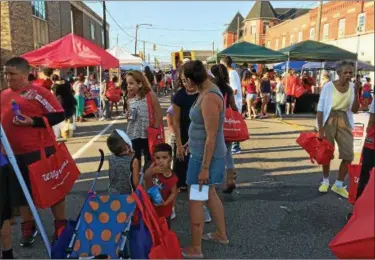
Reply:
x=196, y=153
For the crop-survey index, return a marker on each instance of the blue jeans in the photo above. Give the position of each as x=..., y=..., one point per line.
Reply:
x=216, y=171
x=278, y=109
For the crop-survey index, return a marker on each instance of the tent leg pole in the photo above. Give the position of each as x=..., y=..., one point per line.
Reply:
x=100, y=92
x=13, y=162
x=88, y=71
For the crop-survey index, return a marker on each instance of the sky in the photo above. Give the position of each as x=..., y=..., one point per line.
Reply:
x=192, y=25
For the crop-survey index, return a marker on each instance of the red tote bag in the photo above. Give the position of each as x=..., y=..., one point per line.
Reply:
x=235, y=128
x=155, y=135
x=113, y=93
x=299, y=91
x=324, y=152
x=354, y=171
x=90, y=107
x=52, y=178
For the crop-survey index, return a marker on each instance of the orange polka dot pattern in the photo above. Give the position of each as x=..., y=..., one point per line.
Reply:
x=102, y=221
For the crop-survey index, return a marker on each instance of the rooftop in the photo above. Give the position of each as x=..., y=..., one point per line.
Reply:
x=232, y=27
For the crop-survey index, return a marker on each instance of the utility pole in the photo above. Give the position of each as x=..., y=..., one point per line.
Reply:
x=144, y=50
x=358, y=40
x=319, y=20
x=148, y=58
x=117, y=40
x=136, y=39
x=104, y=25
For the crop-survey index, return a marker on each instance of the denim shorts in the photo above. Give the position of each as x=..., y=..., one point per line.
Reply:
x=251, y=96
x=216, y=171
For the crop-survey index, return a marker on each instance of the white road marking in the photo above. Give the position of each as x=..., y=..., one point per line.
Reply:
x=86, y=146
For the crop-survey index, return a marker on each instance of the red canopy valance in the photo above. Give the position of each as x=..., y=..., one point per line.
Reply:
x=71, y=51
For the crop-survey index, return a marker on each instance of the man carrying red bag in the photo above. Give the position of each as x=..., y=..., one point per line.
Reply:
x=337, y=103
x=24, y=126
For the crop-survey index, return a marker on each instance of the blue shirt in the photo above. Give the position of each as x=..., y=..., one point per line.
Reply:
x=3, y=160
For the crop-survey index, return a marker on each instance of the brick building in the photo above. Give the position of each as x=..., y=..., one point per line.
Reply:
x=26, y=26
x=342, y=23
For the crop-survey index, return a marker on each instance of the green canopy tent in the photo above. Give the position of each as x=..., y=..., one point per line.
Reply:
x=248, y=52
x=316, y=51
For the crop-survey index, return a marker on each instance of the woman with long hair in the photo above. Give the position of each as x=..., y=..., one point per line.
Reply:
x=222, y=81
x=79, y=94
x=206, y=163
x=150, y=77
x=138, y=117
x=265, y=94
x=250, y=84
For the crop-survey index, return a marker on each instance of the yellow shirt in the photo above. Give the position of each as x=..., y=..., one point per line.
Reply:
x=341, y=101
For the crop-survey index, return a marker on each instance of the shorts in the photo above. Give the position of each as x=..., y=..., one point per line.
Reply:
x=337, y=128
x=290, y=99
x=23, y=161
x=5, y=193
x=262, y=95
x=216, y=171
x=251, y=96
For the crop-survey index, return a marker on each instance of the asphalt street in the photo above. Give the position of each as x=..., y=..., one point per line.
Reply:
x=276, y=212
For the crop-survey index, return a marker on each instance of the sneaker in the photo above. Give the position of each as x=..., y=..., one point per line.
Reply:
x=207, y=216
x=236, y=150
x=29, y=232
x=173, y=216
x=323, y=188
x=102, y=119
x=340, y=191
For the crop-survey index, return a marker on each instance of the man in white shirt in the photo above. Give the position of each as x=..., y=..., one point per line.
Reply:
x=235, y=84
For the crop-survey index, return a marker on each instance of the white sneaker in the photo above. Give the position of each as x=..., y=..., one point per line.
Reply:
x=102, y=119
x=207, y=216
x=173, y=216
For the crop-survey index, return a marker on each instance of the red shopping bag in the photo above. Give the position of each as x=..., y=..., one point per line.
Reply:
x=235, y=128
x=165, y=242
x=354, y=171
x=52, y=178
x=155, y=135
x=308, y=141
x=299, y=91
x=90, y=107
x=113, y=93
x=324, y=152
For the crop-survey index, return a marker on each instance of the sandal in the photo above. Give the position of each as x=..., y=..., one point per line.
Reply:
x=211, y=237
x=231, y=182
x=188, y=255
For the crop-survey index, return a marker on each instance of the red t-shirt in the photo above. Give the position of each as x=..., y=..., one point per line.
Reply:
x=47, y=84
x=370, y=139
x=289, y=83
x=167, y=185
x=33, y=102
x=250, y=87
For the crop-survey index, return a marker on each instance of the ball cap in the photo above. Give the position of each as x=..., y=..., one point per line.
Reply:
x=124, y=137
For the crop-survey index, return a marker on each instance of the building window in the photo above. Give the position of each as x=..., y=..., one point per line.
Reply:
x=277, y=44
x=283, y=43
x=300, y=36
x=39, y=8
x=92, y=31
x=269, y=44
x=325, y=31
x=361, y=21
x=341, y=28
x=291, y=39
x=253, y=30
x=266, y=26
x=312, y=33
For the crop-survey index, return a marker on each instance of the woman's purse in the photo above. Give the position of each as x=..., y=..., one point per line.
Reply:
x=155, y=135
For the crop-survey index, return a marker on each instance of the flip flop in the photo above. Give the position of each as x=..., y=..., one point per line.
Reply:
x=211, y=237
x=188, y=255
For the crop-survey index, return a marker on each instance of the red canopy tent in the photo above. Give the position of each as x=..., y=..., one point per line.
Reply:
x=356, y=239
x=71, y=51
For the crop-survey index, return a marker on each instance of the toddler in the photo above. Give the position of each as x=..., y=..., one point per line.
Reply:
x=160, y=173
x=124, y=168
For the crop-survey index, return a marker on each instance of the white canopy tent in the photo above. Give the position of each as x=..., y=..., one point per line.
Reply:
x=127, y=60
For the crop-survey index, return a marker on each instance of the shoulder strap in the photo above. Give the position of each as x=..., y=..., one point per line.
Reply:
x=151, y=112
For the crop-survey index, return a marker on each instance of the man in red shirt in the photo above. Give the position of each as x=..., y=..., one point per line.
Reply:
x=308, y=82
x=24, y=135
x=289, y=83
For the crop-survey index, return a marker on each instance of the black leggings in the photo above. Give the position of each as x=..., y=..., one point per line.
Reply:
x=180, y=168
x=140, y=146
x=368, y=162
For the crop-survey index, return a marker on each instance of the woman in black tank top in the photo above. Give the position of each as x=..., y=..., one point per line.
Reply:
x=265, y=93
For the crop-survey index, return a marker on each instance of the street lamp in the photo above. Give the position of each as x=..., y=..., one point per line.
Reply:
x=136, y=35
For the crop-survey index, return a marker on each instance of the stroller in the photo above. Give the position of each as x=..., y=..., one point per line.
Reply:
x=101, y=230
